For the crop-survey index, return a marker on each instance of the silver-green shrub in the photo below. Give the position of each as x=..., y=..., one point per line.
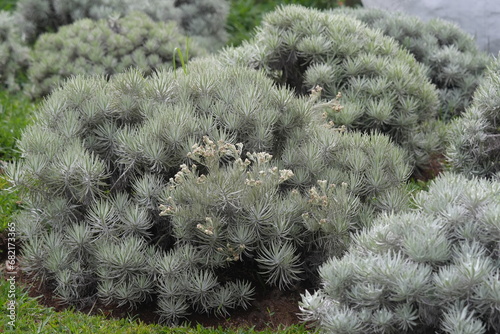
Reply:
x=106, y=47
x=474, y=138
x=14, y=54
x=370, y=167
x=236, y=212
x=99, y=156
x=383, y=88
x=255, y=211
x=202, y=19
x=103, y=155
x=454, y=61
x=432, y=269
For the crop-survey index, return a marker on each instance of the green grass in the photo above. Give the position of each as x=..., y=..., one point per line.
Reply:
x=8, y=204
x=31, y=317
x=8, y=4
x=15, y=114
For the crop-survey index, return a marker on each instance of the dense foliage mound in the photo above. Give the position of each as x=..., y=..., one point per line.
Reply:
x=14, y=54
x=106, y=47
x=434, y=268
x=202, y=19
x=98, y=158
x=474, y=138
x=454, y=61
x=102, y=160
x=370, y=166
x=383, y=88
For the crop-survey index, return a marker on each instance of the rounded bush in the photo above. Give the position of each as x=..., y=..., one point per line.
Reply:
x=259, y=210
x=370, y=167
x=383, y=88
x=454, y=61
x=14, y=54
x=434, y=268
x=98, y=158
x=101, y=162
x=474, y=138
x=202, y=19
x=106, y=47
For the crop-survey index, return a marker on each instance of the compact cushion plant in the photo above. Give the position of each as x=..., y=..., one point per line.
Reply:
x=107, y=47
x=14, y=53
x=383, y=87
x=202, y=19
x=473, y=139
x=204, y=146
x=370, y=167
x=455, y=64
x=433, y=268
x=104, y=151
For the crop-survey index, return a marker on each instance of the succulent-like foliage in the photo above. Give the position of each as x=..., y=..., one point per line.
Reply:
x=202, y=18
x=238, y=211
x=106, y=47
x=14, y=54
x=474, y=138
x=104, y=153
x=454, y=61
x=99, y=156
x=368, y=171
x=434, y=268
x=383, y=88
x=235, y=212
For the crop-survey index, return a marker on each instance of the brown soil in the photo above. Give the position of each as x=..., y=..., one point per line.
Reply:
x=434, y=168
x=271, y=309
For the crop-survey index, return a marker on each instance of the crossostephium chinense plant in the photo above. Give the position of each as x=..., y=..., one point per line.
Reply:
x=14, y=53
x=258, y=215
x=236, y=214
x=432, y=269
x=203, y=20
x=369, y=167
x=106, y=47
x=102, y=155
x=99, y=155
x=474, y=138
x=455, y=64
x=383, y=88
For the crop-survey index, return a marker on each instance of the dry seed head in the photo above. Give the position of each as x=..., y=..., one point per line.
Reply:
x=285, y=174
x=166, y=210
x=316, y=92
x=201, y=179
x=329, y=125
x=322, y=184
x=261, y=157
